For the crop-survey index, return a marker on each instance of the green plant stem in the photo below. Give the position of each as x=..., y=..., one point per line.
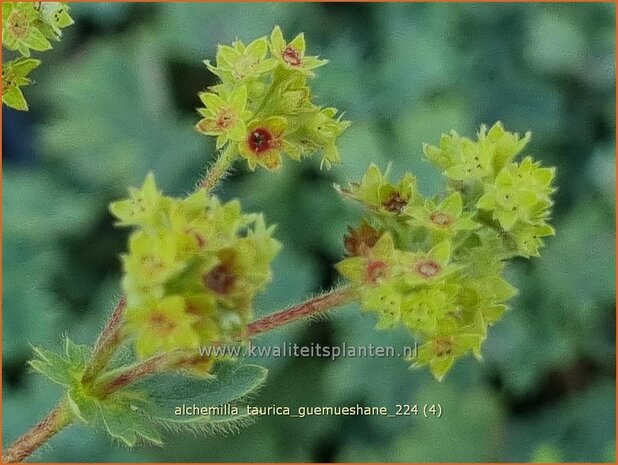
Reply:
x=220, y=168
x=23, y=447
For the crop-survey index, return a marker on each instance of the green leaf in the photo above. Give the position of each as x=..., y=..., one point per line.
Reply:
x=28, y=210
x=122, y=423
x=121, y=415
x=37, y=41
x=84, y=407
x=77, y=354
x=131, y=416
x=14, y=98
x=22, y=67
x=152, y=137
x=66, y=369
x=52, y=366
x=229, y=385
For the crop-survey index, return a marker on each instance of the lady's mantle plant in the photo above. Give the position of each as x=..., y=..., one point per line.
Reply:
x=194, y=265
x=435, y=265
x=26, y=27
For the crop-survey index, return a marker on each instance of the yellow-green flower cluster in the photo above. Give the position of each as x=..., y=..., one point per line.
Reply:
x=514, y=197
x=435, y=265
x=28, y=26
x=262, y=109
x=193, y=268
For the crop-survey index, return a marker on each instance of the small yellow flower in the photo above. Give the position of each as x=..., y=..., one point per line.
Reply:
x=162, y=326
x=264, y=143
x=292, y=55
x=224, y=115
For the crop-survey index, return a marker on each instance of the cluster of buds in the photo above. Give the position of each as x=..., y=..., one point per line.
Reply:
x=435, y=265
x=193, y=268
x=262, y=109
x=28, y=26
x=513, y=198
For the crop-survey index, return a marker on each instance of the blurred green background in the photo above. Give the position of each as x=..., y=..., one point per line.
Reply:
x=117, y=97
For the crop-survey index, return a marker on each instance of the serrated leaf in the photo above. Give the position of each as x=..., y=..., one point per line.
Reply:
x=121, y=415
x=77, y=354
x=50, y=372
x=126, y=425
x=63, y=369
x=229, y=385
x=82, y=406
x=52, y=366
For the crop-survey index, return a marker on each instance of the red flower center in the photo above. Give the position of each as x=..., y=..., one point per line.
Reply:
x=441, y=219
x=291, y=56
x=360, y=240
x=428, y=268
x=375, y=270
x=8, y=79
x=395, y=203
x=226, y=118
x=18, y=25
x=161, y=324
x=220, y=279
x=260, y=140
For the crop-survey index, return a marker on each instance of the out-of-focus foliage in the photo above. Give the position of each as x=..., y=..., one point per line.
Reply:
x=116, y=99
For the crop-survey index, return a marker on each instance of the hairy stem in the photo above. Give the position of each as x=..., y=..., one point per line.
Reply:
x=109, y=340
x=322, y=303
x=115, y=380
x=318, y=304
x=106, y=344
x=219, y=169
x=23, y=447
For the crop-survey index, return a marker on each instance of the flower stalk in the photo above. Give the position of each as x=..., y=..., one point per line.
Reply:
x=22, y=448
x=322, y=303
x=60, y=416
x=219, y=169
x=109, y=340
x=336, y=298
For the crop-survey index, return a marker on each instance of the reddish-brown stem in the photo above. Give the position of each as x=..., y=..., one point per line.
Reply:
x=113, y=381
x=305, y=309
x=313, y=306
x=21, y=449
x=106, y=344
